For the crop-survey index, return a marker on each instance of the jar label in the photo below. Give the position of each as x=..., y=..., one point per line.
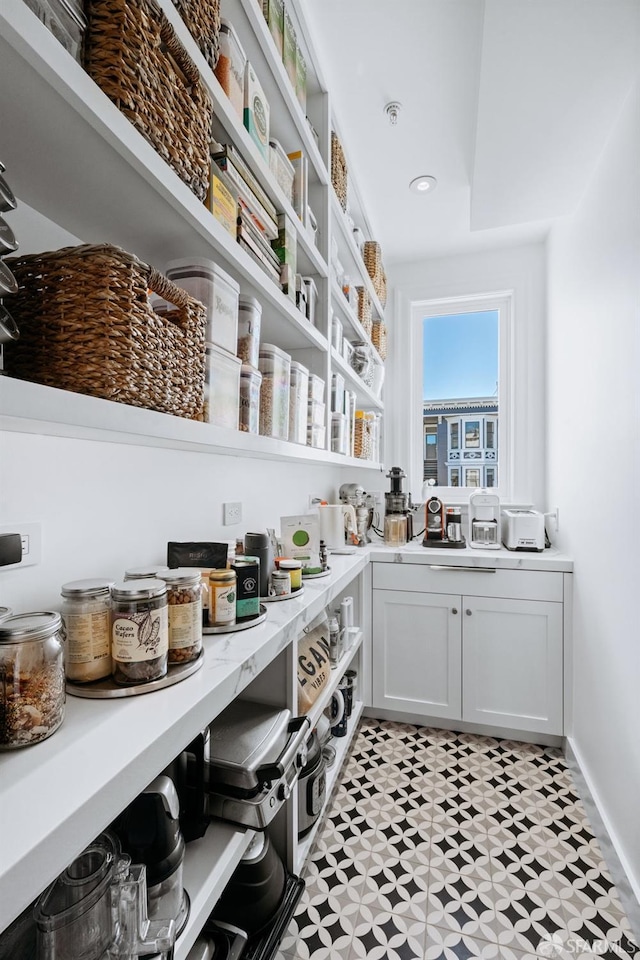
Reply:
x=222, y=604
x=87, y=637
x=185, y=624
x=138, y=637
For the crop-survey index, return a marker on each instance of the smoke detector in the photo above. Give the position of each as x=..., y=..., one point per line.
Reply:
x=392, y=111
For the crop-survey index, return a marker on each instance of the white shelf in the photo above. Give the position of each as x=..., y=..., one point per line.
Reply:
x=342, y=746
x=223, y=845
x=337, y=673
x=348, y=249
x=108, y=184
x=33, y=408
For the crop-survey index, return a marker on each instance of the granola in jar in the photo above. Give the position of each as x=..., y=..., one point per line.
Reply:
x=32, y=691
x=184, y=596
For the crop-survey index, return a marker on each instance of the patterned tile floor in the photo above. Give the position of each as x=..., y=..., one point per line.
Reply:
x=444, y=845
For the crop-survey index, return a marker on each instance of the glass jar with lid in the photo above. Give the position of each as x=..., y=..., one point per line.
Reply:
x=32, y=691
x=150, y=572
x=184, y=597
x=222, y=598
x=139, y=631
x=86, y=621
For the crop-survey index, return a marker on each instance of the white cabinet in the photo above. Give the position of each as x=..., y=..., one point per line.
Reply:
x=494, y=660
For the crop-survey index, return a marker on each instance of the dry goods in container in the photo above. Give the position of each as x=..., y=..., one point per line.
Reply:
x=362, y=446
x=316, y=388
x=150, y=572
x=339, y=177
x=275, y=366
x=86, y=620
x=281, y=168
x=247, y=570
x=301, y=295
x=249, y=411
x=222, y=387
x=312, y=298
x=31, y=678
x=139, y=631
x=294, y=569
x=205, y=281
x=339, y=433
x=299, y=388
x=222, y=598
x=249, y=321
x=315, y=413
x=184, y=598
x=230, y=69
x=289, y=46
x=256, y=111
x=316, y=435
x=379, y=337
x=281, y=583
x=337, y=393
x=362, y=361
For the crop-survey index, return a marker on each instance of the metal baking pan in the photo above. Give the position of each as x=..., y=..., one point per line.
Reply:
x=108, y=689
x=244, y=625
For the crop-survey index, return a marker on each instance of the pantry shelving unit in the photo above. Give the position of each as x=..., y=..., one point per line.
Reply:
x=74, y=158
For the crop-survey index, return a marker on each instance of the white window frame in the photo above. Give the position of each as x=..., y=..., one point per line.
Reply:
x=502, y=301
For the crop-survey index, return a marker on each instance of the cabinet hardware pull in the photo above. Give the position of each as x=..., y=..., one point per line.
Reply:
x=443, y=566
x=468, y=612
x=454, y=610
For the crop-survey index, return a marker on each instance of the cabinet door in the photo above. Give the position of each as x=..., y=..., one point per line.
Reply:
x=416, y=653
x=512, y=663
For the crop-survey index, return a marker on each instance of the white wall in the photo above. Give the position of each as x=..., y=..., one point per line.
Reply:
x=519, y=269
x=106, y=506
x=593, y=435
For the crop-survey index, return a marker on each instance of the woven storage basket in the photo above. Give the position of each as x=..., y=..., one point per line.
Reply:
x=364, y=310
x=381, y=289
x=362, y=439
x=202, y=17
x=86, y=325
x=379, y=338
x=339, y=176
x=132, y=53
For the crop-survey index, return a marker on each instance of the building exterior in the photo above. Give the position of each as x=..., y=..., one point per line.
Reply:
x=461, y=442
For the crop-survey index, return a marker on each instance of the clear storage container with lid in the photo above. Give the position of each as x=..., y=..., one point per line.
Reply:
x=184, y=597
x=275, y=366
x=249, y=319
x=337, y=393
x=221, y=387
x=231, y=66
x=281, y=168
x=299, y=386
x=249, y=413
x=205, y=281
x=316, y=435
x=139, y=631
x=315, y=413
x=86, y=620
x=339, y=433
x=31, y=678
x=316, y=388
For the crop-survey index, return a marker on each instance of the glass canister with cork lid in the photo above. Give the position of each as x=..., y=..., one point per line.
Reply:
x=86, y=622
x=32, y=694
x=184, y=598
x=139, y=631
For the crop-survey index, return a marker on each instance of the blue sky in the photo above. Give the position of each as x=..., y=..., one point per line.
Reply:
x=460, y=355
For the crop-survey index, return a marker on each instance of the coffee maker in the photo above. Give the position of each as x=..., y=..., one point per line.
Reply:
x=364, y=505
x=398, y=510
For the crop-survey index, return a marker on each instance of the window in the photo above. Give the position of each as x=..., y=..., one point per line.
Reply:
x=460, y=350
x=431, y=447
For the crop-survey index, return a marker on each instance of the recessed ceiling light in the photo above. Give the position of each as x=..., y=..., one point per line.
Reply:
x=424, y=184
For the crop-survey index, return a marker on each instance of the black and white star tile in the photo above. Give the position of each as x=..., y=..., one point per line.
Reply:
x=446, y=846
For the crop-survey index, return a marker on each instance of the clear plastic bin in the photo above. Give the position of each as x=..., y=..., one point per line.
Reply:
x=205, y=281
x=231, y=66
x=339, y=433
x=249, y=414
x=337, y=393
x=312, y=298
x=66, y=21
x=336, y=334
x=275, y=366
x=222, y=386
x=316, y=388
x=281, y=168
x=249, y=322
x=316, y=435
x=299, y=388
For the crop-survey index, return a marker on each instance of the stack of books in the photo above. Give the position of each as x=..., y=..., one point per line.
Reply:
x=257, y=223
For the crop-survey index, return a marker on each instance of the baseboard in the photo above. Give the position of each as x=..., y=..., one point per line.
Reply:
x=621, y=873
x=461, y=726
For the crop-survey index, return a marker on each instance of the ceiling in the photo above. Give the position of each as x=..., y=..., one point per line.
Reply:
x=508, y=103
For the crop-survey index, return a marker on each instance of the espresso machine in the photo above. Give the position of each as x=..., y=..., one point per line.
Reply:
x=364, y=505
x=398, y=510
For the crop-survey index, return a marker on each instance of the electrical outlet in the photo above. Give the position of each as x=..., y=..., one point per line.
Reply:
x=232, y=513
x=31, y=537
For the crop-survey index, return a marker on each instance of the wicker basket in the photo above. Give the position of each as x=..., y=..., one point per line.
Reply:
x=202, y=17
x=364, y=310
x=86, y=325
x=133, y=54
x=362, y=439
x=379, y=338
x=372, y=256
x=339, y=176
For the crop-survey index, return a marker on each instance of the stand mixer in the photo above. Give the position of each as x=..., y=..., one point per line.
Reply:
x=364, y=505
